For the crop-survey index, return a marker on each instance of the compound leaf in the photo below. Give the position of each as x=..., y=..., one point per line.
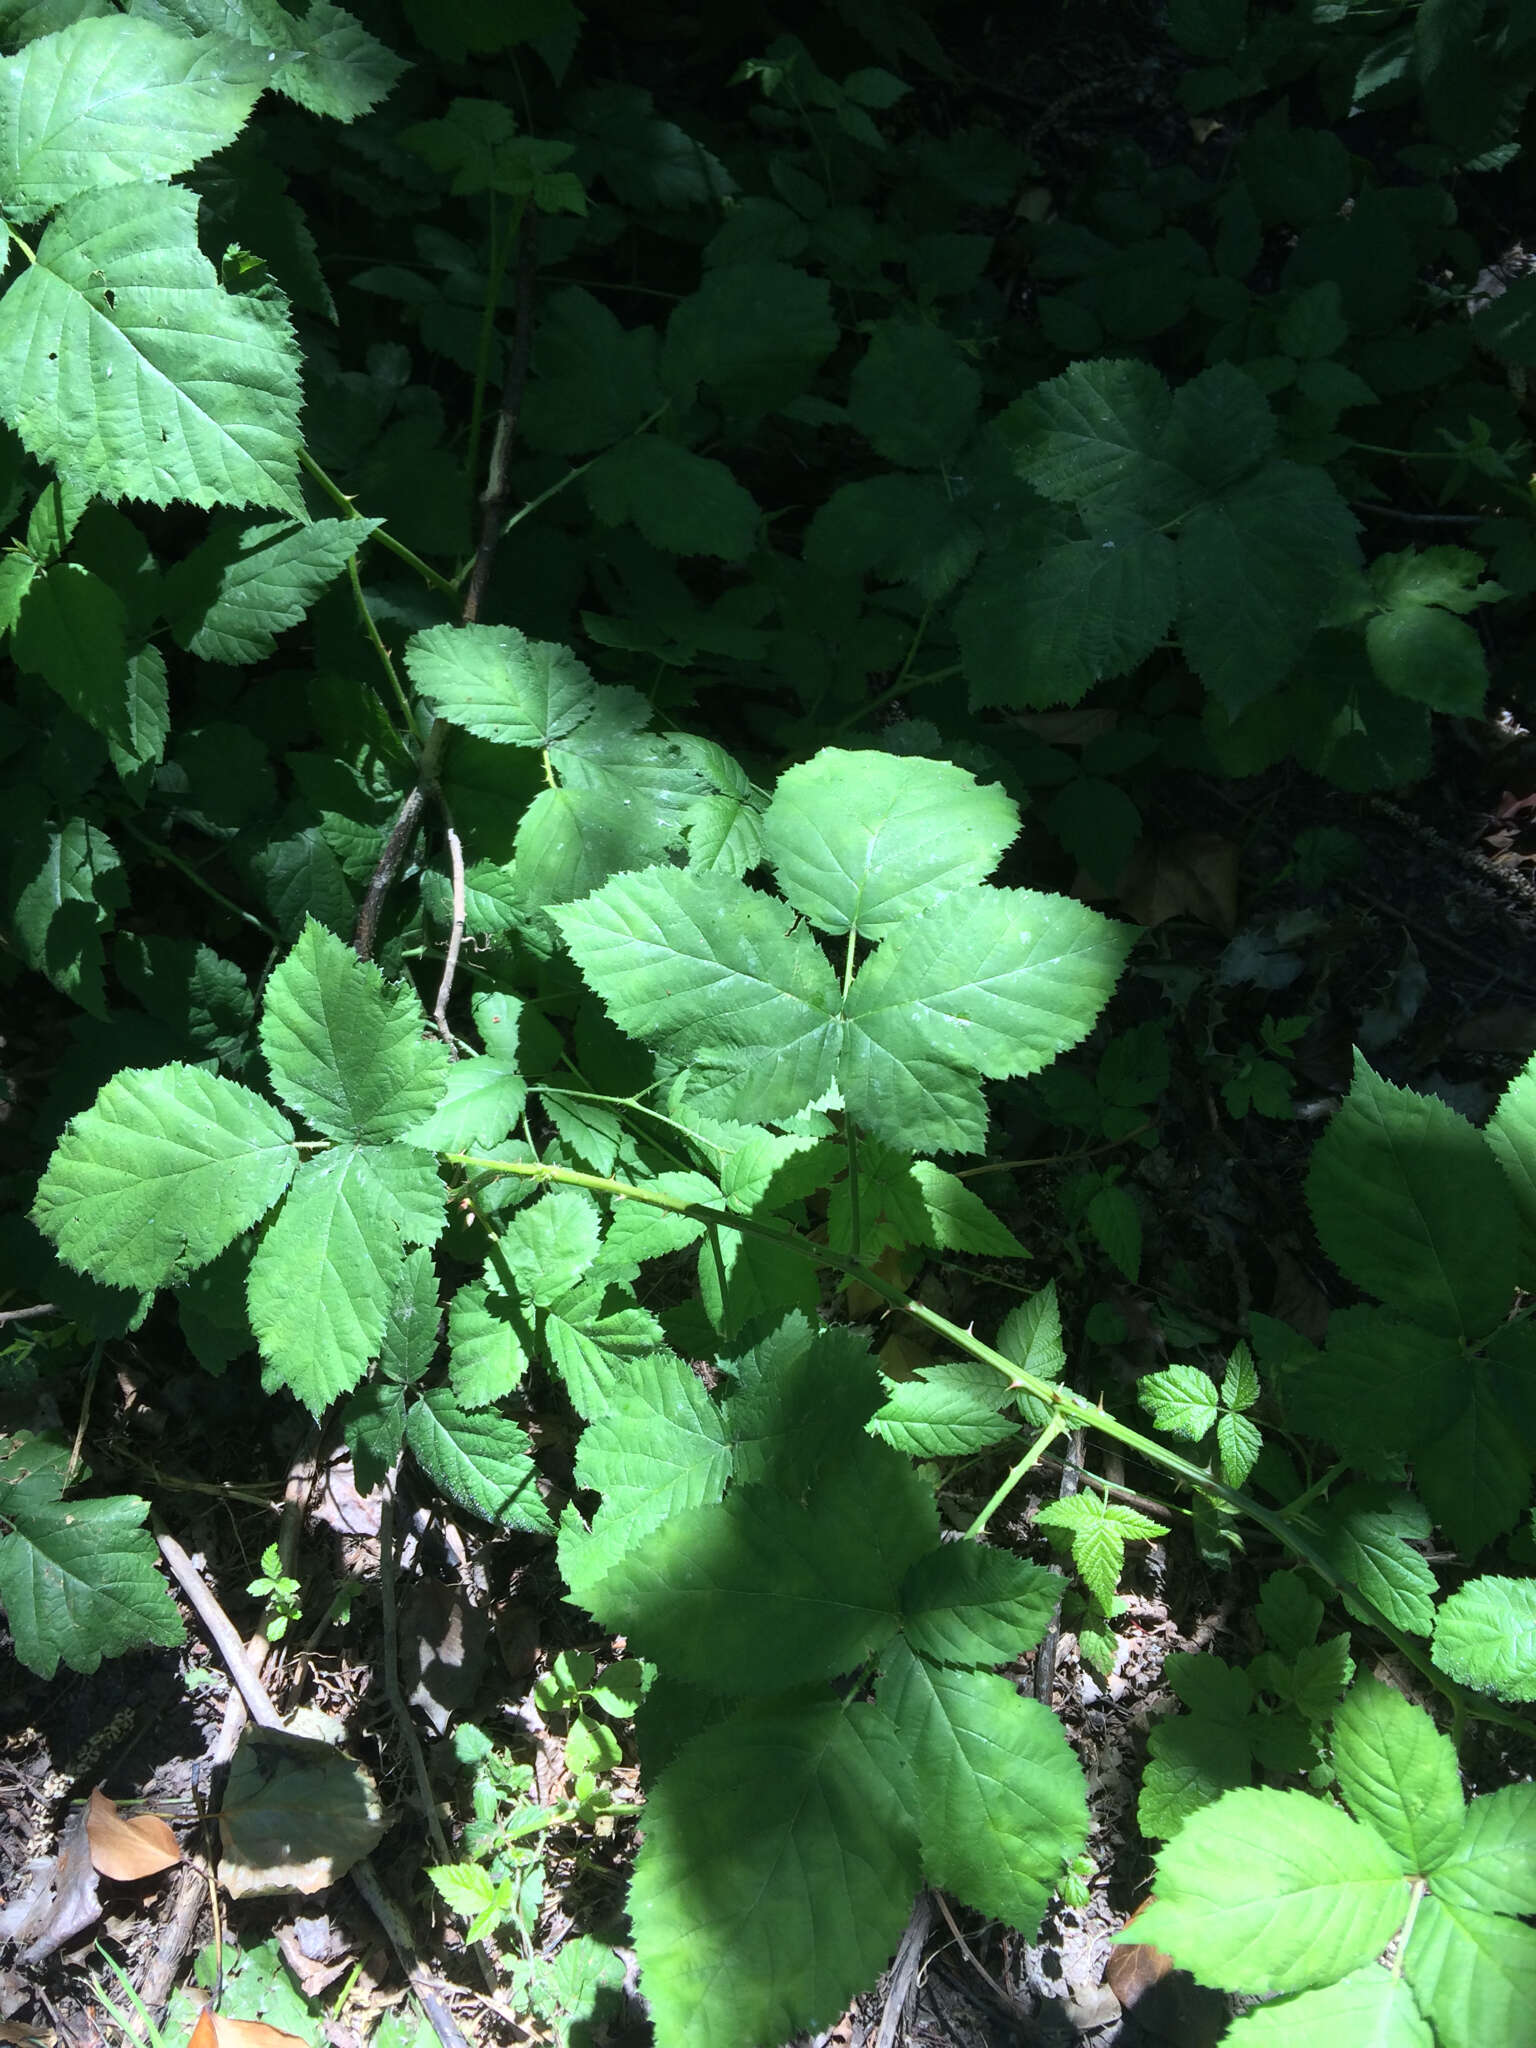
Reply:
x=753, y=333
x=163, y=1171
x=989, y=981
x=1000, y=1803
x=1367, y=1536
x=1091, y=437
x=947, y=1411
x=483, y=1461
x=913, y=396
x=345, y=1048
x=1181, y=1399
x=496, y=683
x=488, y=1339
x=763, y=1592
x=968, y=1604
x=114, y=102
x=704, y=965
x=592, y=381
x=1369, y=2009
x=1410, y=1204
x=687, y=504
x=1473, y=1973
x=1492, y=1867
x=1257, y=567
x=864, y=841
x=1398, y=1773
x=1099, y=1530
x=777, y=1872
x=127, y=368
x=323, y=1277
x=1273, y=1891
x=79, y=1581
x=1044, y=632
x=1485, y=1636
x=231, y=596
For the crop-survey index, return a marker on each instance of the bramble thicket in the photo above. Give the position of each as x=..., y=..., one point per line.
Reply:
x=693, y=706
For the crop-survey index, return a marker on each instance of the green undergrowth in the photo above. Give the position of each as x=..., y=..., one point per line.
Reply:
x=543, y=613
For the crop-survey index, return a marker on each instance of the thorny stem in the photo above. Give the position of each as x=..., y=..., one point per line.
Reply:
x=901, y=683
x=561, y=483
x=502, y=239
x=381, y=534
x=1053, y=1158
x=162, y=852
x=375, y=640
x=1042, y=1443
x=1074, y=1410
x=1305, y=1500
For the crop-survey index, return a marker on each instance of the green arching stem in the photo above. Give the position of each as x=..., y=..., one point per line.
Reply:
x=376, y=642
x=162, y=852
x=1073, y=1411
x=1416, y=1894
x=634, y=1102
x=904, y=679
x=1042, y=1443
x=553, y=491
x=381, y=534
x=1305, y=1500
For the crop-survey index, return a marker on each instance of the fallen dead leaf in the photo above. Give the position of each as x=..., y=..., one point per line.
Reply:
x=312, y=1977
x=1191, y=875
x=67, y=1903
x=297, y=1815
x=213, y=2030
x=1133, y=1969
x=128, y=1849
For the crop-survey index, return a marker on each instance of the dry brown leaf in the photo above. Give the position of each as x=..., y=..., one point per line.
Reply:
x=1068, y=728
x=16, y=2035
x=213, y=2030
x=1191, y=875
x=128, y=1850
x=901, y=1356
x=1132, y=1970
x=67, y=1903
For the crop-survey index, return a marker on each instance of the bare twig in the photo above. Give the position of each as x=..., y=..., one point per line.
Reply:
x=389, y=1917
x=178, y=1931
x=455, y=940
x=29, y=1315
x=498, y=483
x=221, y=1630
x=393, y=852
x=901, y=1980
x=493, y=500
x=392, y=1691
x=258, y=1703
x=1004, y=1998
